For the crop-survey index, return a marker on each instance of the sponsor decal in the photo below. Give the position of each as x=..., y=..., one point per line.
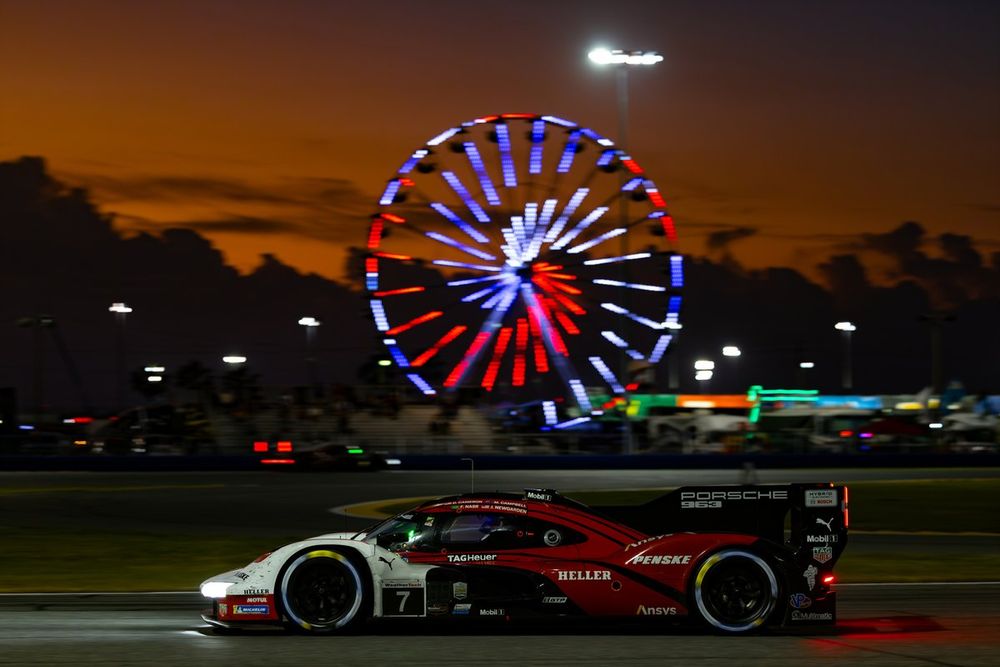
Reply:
x=828, y=524
x=714, y=499
x=641, y=542
x=460, y=590
x=810, y=575
x=402, y=583
x=659, y=560
x=387, y=562
x=223, y=609
x=462, y=609
x=471, y=558
x=584, y=575
x=492, y=612
x=257, y=600
x=552, y=537
x=822, y=539
x=655, y=611
x=812, y=616
x=800, y=601
x=251, y=609
x=821, y=497
x=822, y=554
x=532, y=494
x=256, y=591
x=554, y=599
x=243, y=576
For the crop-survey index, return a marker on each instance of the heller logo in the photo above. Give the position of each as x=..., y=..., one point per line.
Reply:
x=821, y=497
x=471, y=558
x=655, y=611
x=585, y=575
x=659, y=560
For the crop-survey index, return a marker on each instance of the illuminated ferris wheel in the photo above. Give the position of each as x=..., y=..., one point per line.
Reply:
x=524, y=252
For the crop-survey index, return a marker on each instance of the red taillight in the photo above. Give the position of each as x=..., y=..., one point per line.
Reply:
x=269, y=462
x=284, y=446
x=829, y=579
x=846, y=434
x=846, y=510
x=260, y=447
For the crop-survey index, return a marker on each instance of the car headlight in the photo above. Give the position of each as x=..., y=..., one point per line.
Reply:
x=215, y=589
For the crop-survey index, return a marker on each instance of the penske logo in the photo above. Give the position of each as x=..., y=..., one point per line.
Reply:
x=659, y=560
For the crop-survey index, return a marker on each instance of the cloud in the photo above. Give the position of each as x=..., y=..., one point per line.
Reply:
x=720, y=240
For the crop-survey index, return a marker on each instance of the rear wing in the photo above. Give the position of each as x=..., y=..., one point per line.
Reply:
x=809, y=518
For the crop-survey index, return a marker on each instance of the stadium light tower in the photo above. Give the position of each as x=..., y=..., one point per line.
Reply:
x=847, y=378
x=622, y=61
x=310, y=324
x=121, y=311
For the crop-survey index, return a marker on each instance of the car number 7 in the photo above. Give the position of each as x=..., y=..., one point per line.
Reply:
x=403, y=595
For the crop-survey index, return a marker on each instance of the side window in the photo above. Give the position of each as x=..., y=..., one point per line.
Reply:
x=495, y=531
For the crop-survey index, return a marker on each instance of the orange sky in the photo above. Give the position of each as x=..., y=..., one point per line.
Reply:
x=272, y=126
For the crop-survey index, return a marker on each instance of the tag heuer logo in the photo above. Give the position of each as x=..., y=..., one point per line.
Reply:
x=822, y=554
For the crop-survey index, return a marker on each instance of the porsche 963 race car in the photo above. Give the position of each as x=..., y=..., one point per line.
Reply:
x=734, y=558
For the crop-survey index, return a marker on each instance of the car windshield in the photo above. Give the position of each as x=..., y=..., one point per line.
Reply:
x=406, y=531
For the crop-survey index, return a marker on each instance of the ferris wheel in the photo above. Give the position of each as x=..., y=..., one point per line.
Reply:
x=523, y=253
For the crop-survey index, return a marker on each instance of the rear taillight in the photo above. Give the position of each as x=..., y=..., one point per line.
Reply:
x=259, y=447
x=846, y=509
x=284, y=446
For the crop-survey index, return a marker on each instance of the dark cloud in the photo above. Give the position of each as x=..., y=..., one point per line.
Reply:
x=721, y=240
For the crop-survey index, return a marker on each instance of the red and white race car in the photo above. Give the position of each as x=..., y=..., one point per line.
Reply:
x=736, y=558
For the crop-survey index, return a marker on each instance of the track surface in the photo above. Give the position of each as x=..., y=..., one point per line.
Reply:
x=879, y=625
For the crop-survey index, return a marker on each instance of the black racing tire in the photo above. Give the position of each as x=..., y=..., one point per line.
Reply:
x=325, y=591
x=735, y=591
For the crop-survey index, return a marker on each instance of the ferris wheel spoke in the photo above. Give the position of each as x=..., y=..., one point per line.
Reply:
x=456, y=184
x=420, y=319
x=574, y=202
x=587, y=221
x=458, y=245
x=635, y=286
x=602, y=369
x=503, y=338
x=430, y=352
x=476, y=160
x=587, y=245
x=506, y=157
x=537, y=139
x=451, y=216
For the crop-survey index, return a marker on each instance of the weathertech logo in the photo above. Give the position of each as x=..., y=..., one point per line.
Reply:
x=655, y=611
x=585, y=575
x=659, y=560
x=471, y=558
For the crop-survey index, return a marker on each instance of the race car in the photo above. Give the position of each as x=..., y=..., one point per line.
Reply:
x=734, y=558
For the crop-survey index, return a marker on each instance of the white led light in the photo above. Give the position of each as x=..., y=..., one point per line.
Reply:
x=215, y=589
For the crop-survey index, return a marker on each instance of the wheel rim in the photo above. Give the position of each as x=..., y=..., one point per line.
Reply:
x=736, y=591
x=321, y=590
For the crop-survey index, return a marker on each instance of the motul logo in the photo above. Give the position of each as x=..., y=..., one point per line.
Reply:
x=585, y=575
x=659, y=560
x=655, y=611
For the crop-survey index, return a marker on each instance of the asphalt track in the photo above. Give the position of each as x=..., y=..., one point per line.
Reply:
x=879, y=625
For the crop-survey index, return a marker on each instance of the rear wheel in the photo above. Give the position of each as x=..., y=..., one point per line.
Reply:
x=735, y=591
x=322, y=591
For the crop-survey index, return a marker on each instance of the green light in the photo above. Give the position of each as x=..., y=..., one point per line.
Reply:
x=754, y=414
x=409, y=537
x=355, y=450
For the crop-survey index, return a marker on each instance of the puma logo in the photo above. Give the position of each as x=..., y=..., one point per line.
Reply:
x=389, y=562
x=828, y=524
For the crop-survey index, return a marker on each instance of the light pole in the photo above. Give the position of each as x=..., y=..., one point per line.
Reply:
x=733, y=352
x=121, y=310
x=622, y=60
x=704, y=369
x=310, y=324
x=847, y=378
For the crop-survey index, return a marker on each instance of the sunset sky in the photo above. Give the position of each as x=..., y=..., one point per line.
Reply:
x=271, y=127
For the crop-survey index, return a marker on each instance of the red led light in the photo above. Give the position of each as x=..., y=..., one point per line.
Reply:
x=846, y=510
x=656, y=198
x=631, y=387
x=401, y=290
x=436, y=347
x=473, y=350
x=567, y=323
x=632, y=166
x=277, y=461
x=391, y=217
x=426, y=317
x=371, y=265
x=521, y=341
x=284, y=446
x=517, y=115
x=260, y=446
x=846, y=433
x=82, y=420
x=408, y=182
x=829, y=579
x=668, y=227
x=375, y=235
x=389, y=255
x=494, y=367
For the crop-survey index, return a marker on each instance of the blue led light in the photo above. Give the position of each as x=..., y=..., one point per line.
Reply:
x=571, y=206
x=398, y=356
x=413, y=160
x=472, y=281
x=645, y=321
x=447, y=240
x=673, y=312
x=581, y=395
x=464, y=265
x=513, y=248
x=677, y=270
x=632, y=184
x=605, y=158
x=537, y=136
x=559, y=121
x=569, y=152
x=505, y=295
x=371, y=281
x=484, y=178
x=530, y=217
x=596, y=240
x=615, y=339
x=421, y=384
x=474, y=233
x=587, y=132
x=378, y=312
x=475, y=296
x=390, y=192
x=660, y=348
x=656, y=214
x=620, y=258
x=549, y=409
x=444, y=136
x=635, y=354
x=605, y=372
x=548, y=208
x=572, y=422
x=506, y=161
x=638, y=286
x=590, y=219
x=460, y=190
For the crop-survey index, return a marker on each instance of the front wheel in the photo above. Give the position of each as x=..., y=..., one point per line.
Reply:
x=322, y=592
x=735, y=591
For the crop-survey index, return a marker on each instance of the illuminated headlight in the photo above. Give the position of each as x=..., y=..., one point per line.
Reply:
x=215, y=589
